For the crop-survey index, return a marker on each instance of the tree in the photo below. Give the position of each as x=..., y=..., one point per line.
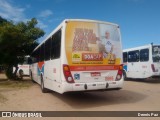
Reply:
x=2, y=20
x=17, y=41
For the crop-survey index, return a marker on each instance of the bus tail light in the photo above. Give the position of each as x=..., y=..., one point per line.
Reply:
x=120, y=72
x=67, y=74
x=153, y=68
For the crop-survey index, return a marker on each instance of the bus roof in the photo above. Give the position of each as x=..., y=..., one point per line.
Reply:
x=140, y=47
x=70, y=20
x=89, y=20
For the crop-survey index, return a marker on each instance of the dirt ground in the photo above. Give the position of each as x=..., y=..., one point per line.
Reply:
x=136, y=95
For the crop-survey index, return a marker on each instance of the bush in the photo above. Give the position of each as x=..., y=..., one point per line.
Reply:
x=9, y=72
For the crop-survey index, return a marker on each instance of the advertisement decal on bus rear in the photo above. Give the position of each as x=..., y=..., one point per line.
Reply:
x=89, y=43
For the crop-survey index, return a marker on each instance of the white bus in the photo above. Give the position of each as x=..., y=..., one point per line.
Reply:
x=79, y=55
x=23, y=69
x=142, y=62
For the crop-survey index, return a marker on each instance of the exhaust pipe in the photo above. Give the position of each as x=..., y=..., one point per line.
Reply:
x=85, y=87
x=107, y=85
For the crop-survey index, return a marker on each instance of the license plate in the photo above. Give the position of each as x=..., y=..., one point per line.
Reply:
x=95, y=74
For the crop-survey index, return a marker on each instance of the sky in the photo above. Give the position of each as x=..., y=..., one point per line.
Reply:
x=139, y=20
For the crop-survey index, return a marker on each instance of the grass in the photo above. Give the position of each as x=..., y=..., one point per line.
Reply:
x=12, y=85
x=6, y=85
x=15, y=84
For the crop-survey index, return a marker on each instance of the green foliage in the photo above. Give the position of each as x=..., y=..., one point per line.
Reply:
x=16, y=41
x=2, y=20
x=15, y=84
x=9, y=72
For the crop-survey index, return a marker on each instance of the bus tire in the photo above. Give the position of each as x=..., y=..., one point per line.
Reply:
x=124, y=75
x=21, y=74
x=44, y=90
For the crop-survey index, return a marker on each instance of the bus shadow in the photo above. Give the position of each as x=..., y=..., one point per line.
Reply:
x=3, y=80
x=81, y=100
x=149, y=80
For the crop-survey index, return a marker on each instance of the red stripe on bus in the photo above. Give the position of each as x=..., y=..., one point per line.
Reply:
x=40, y=64
x=94, y=68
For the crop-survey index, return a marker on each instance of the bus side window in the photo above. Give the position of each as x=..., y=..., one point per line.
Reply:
x=37, y=55
x=42, y=53
x=137, y=56
x=52, y=48
x=33, y=57
x=144, y=55
x=125, y=57
x=133, y=56
x=56, y=45
x=48, y=49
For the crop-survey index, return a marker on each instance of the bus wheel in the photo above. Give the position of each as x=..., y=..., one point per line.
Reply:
x=44, y=90
x=124, y=75
x=21, y=74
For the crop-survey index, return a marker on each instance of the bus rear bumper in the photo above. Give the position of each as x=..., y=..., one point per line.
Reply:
x=95, y=86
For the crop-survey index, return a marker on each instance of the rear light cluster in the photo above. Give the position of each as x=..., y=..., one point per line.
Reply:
x=120, y=72
x=153, y=68
x=67, y=74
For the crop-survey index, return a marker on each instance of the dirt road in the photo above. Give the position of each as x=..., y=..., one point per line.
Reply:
x=135, y=96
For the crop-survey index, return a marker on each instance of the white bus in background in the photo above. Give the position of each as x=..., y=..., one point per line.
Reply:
x=23, y=69
x=74, y=57
x=142, y=62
